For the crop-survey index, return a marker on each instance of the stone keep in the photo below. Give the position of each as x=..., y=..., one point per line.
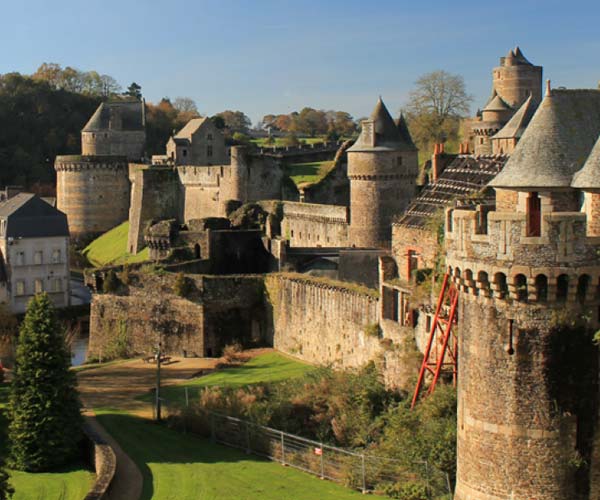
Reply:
x=514, y=81
x=382, y=168
x=528, y=274
x=93, y=188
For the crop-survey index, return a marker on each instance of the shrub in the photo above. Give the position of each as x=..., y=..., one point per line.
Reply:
x=373, y=330
x=45, y=422
x=233, y=353
x=182, y=286
x=6, y=491
x=291, y=140
x=111, y=282
x=406, y=491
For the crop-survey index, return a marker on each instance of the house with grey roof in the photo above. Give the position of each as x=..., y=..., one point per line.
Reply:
x=34, y=252
x=199, y=142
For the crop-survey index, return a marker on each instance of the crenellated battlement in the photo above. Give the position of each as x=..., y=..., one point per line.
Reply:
x=491, y=255
x=79, y=163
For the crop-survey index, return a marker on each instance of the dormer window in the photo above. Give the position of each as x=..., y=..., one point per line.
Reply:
x=184, y=152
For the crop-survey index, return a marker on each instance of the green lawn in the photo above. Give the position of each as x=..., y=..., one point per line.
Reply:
x=111, y=248
x=180, y=466
x=308, y=173
x=269, y=367
x=69, y=483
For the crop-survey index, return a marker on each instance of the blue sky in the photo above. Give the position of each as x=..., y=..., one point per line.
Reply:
x=267, y=56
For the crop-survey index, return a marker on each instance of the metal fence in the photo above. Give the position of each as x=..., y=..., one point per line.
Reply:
x=364, y=472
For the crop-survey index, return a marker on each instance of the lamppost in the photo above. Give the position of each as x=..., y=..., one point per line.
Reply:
x=158, y=356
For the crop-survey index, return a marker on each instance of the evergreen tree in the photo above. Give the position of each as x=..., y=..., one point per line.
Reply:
x=6, y=491
x=45, y=421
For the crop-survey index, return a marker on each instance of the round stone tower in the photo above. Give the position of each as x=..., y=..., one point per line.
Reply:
x=528, y=277
x=383, y=169
x=93, y=188
x=516, y=79
x=93, y=191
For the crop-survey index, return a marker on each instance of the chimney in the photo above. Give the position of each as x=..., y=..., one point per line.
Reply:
x=436, y=162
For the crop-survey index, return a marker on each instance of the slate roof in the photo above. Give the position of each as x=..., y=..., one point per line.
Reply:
x=28, y=216
x=515, y=57
x=463, y=177
x=389, y=136
x=190, y=128
x=556, y=143
x=518, y=123
x=496, y=103
x=589, y=175
x=131, y=115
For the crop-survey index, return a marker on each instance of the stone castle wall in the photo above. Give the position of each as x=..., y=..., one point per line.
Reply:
x=422, y=243
x=93, y=191
x=155, y=194
x=218, y=311
x=312, y=225
x=316, y=321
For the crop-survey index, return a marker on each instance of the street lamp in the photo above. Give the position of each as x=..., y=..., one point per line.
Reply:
x=158, y=356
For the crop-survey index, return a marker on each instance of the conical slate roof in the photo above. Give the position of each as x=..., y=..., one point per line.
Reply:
x=589, y=176
x=496, y=103
x=404, y=132
x=518, y=123
x=388, y=136
x=556, y=143
x=128, y=114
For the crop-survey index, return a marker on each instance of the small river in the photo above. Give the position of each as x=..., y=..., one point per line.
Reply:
x=79, y=348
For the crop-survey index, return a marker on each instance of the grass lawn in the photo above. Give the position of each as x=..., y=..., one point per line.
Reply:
x=178, y=466
x=111, y=248
x=269, y=367
x=69, y=483
x=308, y=173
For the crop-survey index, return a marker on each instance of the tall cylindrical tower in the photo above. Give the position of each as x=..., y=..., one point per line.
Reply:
x=382, y=168
x=528, y=275
x=93, y=191
x=516, y=79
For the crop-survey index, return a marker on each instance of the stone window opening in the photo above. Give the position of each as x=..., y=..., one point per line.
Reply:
x=562, y=288
x=20, y=258
x=209, y=137
x=197, y=251
x=38, y=258
x=521, y=287
x=541, y=287
x=209, y=150
x=38, y=286
x=534, y=215
x=583, y=285
x=399, y=161
x=20, y=288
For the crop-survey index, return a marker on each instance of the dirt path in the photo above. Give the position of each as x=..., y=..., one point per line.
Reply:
x=116, y=386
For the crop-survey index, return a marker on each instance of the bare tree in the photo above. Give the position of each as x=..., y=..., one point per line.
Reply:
x=185, y=105
x=436, y=105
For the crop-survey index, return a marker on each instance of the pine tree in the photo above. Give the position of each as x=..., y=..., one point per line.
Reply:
x=45, y=421
x=6, y=491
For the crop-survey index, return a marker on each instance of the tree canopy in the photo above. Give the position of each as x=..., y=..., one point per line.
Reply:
x=436, y=105
x=312, y=122
x=45, y=421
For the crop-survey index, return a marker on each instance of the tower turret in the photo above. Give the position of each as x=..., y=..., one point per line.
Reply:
x=514, y=82
x=382, y=168
x=528, y=274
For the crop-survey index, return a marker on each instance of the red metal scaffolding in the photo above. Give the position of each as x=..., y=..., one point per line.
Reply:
x=441, y=352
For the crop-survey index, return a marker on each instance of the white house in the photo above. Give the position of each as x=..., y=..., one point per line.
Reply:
x=34, y=252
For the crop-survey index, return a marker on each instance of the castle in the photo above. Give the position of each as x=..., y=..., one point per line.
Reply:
x=520, y=221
